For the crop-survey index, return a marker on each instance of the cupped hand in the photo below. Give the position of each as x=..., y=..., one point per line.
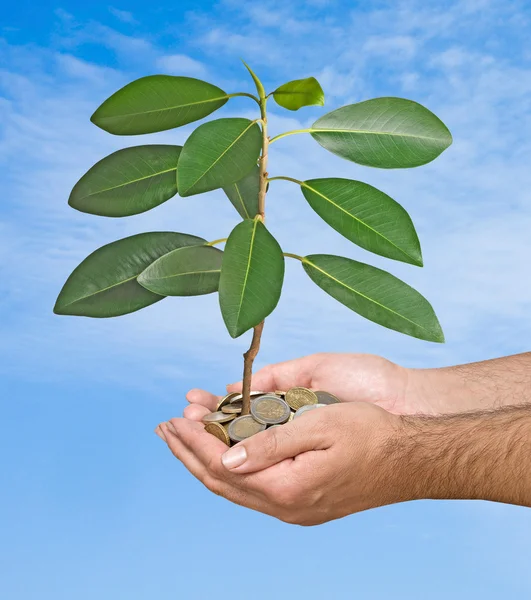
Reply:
x=351, y=377
x=330, y=462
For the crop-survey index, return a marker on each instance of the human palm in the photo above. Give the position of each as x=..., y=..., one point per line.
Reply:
x=351, y=377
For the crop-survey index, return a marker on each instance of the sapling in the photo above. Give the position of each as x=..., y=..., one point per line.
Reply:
x=232, y=153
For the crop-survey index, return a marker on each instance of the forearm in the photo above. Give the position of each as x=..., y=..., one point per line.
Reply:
x=484, y=455
x=483, y=385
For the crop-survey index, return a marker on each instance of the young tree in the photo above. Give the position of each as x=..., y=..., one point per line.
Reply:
x=232, y=153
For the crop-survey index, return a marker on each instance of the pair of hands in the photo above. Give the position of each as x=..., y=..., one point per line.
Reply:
x=330, y=463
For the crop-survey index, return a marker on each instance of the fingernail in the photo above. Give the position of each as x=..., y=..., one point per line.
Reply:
x=235, y=457
x=158, y=432
x=171, y=427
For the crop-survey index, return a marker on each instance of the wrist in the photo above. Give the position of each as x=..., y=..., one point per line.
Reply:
x=403, y=460
x=427, y=460
x=397, y=464
x=471, y=387
x=442, y=391
x=480, y=455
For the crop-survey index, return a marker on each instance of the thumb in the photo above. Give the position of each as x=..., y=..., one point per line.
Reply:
x=274, y=445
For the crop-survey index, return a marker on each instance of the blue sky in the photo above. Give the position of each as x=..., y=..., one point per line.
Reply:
x=92, y=505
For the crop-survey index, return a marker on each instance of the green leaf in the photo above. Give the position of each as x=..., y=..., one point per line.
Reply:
x=105, y=285
x=251, y=278
x=128, y=182
x=244, y=194
x=257, y=82
x=298, y=93
x=389, y=133
x=157, y=103
x=190, y=271
x=375, y=295
x=365, y=216
x=217, y=154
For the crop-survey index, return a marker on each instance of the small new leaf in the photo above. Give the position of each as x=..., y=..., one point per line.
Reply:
x=365, y=216
x=251, y=278
x=128, y=182
x=257, y=82
x=218, y=154
x=389, y=133
x=156, y=103
x=244, y=194
x=375, y=295
x=189, y=271
x=298, y=93
x=105, y=285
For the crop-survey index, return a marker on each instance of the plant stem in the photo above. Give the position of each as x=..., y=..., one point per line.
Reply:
x=284, y=178
x=248, y=359
x=281, y=135
x=246, y=95
x=250, y=355
x=263, y=160
x=214, y=242
x=296, y=256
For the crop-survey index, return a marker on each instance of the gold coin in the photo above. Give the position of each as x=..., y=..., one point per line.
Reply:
x=218, y=431
x=217, y=417
x=280, y=393
x=232, y=409
x=243, y=427
x=226, y=400
x=299, y=396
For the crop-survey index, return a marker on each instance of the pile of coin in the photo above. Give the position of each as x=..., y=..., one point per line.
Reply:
x=268, y=409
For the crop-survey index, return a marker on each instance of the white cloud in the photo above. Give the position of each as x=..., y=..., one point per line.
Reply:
x=338, y=84
x=123, y=15
x=396, y=47
x=82, y=69
x=180, y=64
x=130, y=50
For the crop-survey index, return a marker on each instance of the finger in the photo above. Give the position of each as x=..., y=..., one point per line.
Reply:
x=160, y=433
x=208, y=450
x=194, y=465
x=206, y=447
x=204, y=398
x=255, y=490
x=191, y=461
x=198, y=469
x=284, y=375
x=270, y=447
x=195, y=412
x=265, y=491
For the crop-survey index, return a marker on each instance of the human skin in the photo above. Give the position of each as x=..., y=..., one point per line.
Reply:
x=367, y=452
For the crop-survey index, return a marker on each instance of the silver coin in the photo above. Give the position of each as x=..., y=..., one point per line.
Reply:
x=225, y=400
x=269, y=409
x=326, y=398
x=306, y=408
x=239, y=397
x=243, y=427
x=217, y=417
